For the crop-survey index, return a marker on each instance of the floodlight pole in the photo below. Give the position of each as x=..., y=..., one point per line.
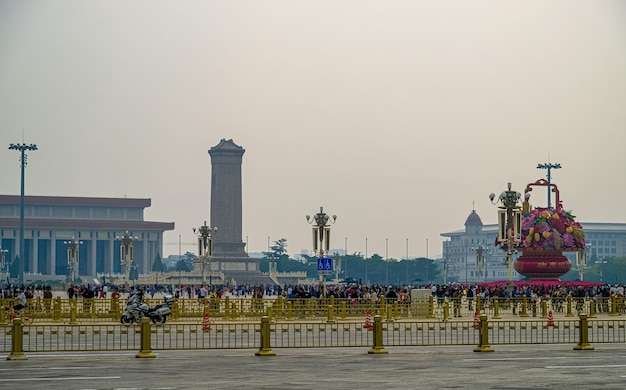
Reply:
x=22, y=148
x=549, y=167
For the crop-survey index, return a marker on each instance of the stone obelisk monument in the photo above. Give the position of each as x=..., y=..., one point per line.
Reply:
x=229, y=255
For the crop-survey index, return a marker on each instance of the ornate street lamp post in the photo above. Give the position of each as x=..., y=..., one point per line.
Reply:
x=509, y=224
x=581, y=261
x=22, y=148
x=72, y=257
x=481, y=263
x=321, y=237
x=2, y=262
x=205, y=246
x=126, y=253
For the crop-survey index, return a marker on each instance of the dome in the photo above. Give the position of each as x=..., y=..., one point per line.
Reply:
x=473, y=220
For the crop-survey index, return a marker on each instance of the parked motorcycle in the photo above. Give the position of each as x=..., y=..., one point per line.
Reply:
x=136, y=309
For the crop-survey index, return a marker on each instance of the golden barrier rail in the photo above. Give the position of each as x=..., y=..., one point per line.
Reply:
x=231, y=308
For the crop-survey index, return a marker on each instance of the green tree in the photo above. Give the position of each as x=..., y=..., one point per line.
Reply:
x=134, y=273
x=158, y=265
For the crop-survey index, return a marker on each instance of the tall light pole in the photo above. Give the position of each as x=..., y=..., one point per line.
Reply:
x=126, y=253
x=386, y=261
x=205, y=246
x=509, y=224
x=549, y=167
x=366, y=280
x=73, y=257
x=23, y=158
x=321, y=235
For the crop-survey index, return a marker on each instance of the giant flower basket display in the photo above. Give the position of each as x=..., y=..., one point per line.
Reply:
x=545, y=233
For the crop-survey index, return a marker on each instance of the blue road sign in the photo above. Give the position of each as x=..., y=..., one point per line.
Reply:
x=324, y=264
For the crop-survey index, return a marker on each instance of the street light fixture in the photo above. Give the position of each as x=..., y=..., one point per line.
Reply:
x=126, y=253
x=581, y=261
x=321, y=235
x=205, y=246
x=481, y=262
x=23, y=159
x=2, y=262
x=509, y=224
x=549, y=167
x=72, y=257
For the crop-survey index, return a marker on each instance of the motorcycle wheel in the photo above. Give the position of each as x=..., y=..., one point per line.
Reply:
x=125, y=319
x=159, y=319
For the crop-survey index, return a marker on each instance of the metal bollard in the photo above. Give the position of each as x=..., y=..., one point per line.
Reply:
x=523, y=312
x=431, y=307
x=290, y=310
x=265, y=349
x=496, y=310
x=378, y=347
x=446, y=311
x=484, y=336
x=613, y=305
x=146, y=340
x=73, y=312
x=592, y=309
x=331, y=314
x=56, y=310
x=583, y=335
x=17, y=341
x=569, y=307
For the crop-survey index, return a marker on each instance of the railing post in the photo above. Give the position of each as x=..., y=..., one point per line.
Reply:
x=431, y=307
x=522, y=312
x=483, y=345
x=613, y=305
x=496, y=310
x=290, y=310
x=265, y=349
x=344, y=313
x=583, y=335
x=17, y=341
x=569, y=306
x=592, y=309
x=378, y=347
x=383, y=306
x=233, y=311
x=146, y=340
x=478, y=304
x=396, y=310
x=56, y=310
x=227, y=307
x=446, y=311
x=544, y=308
x=115, y=303
x=73, y=304
x=330, y=310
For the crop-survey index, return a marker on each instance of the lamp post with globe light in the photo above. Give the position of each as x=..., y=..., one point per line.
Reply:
x=72, y=257
x=321, y=237
x=126, y=253
x=481, y=262
x=205, y=246
x=509, y=224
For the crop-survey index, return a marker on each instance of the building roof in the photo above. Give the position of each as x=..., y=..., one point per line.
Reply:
x=75, y=201
x=473, y=219
x=32, y=223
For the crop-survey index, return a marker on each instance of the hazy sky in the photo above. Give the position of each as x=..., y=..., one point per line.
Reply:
x=394, y=115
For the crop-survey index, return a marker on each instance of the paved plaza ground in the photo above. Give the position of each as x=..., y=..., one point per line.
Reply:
x=509, y=367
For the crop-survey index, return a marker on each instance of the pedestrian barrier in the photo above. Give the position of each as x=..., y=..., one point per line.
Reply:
x=268, y=335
